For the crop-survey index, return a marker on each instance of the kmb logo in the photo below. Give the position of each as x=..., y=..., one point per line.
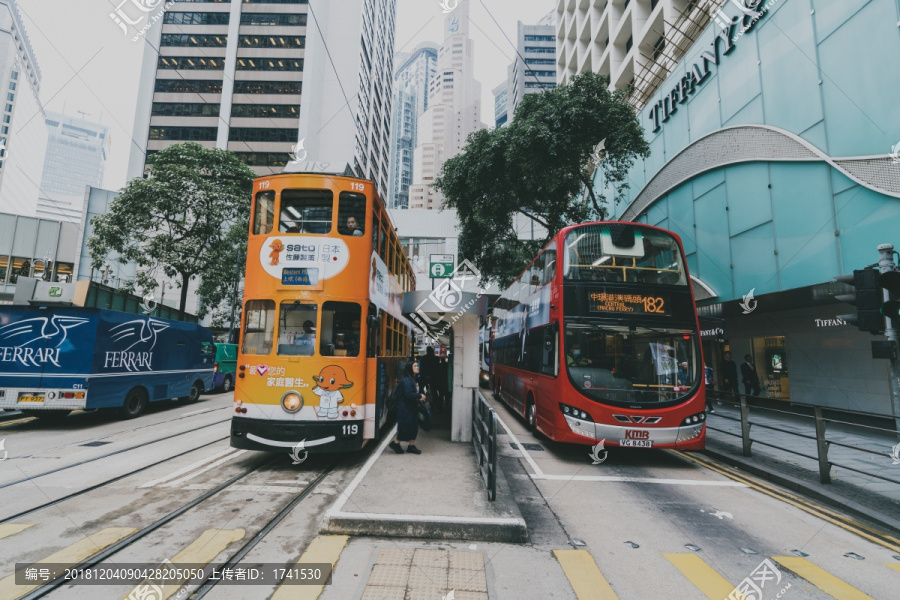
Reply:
x=637, y=434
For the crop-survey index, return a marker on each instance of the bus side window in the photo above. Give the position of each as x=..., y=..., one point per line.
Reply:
x=352, y=214
x=264, y=213
x=306, y=211
x=373, y=328
x=549, y=264
x=259, y=325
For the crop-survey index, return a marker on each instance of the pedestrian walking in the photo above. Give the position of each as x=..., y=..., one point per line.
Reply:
x=750, y=377
x=728, y=373
x=710, y=379
x=408, y=411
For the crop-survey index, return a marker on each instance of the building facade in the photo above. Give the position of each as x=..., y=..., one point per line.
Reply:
x=22, y=137
x=77, y=150
x=266, y=79
x=774, y=155
x=534, y=69
x=412, y=75
x=454, y=109
x=501, y=104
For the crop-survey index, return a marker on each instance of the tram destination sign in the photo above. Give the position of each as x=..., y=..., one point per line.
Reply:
x=301, y=276
x=604, y=302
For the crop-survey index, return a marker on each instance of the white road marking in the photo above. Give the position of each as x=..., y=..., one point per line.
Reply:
x=188, y=468
x=197, y=412
x=208, y=467
x=537, y=470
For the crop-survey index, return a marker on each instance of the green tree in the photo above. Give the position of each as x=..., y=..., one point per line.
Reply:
x=188, y=218
x=541, y=166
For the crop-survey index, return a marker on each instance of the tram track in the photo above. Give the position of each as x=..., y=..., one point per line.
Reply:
x=235, y=558
x=113, y=453
x=105, y=483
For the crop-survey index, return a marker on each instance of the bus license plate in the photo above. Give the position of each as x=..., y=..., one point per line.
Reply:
x=636, y=443
x=31, y=397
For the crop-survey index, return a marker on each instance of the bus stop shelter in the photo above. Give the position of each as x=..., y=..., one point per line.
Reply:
x=450, y=313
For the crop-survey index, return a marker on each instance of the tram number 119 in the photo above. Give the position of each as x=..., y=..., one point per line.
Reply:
x=350, y=430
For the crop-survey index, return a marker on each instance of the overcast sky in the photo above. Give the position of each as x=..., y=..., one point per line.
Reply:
x=89, y=65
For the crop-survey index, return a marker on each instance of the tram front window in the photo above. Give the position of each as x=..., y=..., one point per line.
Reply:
x=297, y=329
x=632, y=365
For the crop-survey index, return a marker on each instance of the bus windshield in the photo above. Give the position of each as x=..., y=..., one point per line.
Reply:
x=622, y=253
x=632, y=365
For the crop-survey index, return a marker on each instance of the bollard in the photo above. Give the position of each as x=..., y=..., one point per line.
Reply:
x=745, y=425
x=822, y=444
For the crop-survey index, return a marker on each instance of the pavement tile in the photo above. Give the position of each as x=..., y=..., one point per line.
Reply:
x=422, y=577
x=395, y=556
x=470, y=581
x=471, y=561
x=431, y=592
x=389, y=576
x=431, y=558
x=466, y=595
x=375, y=592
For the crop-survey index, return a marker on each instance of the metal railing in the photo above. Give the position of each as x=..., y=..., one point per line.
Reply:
x=820, y=422
x=484, y=438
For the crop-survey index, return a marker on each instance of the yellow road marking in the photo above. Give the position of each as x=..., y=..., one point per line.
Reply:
x=821, y=578
x=894, y=566
x=323, y=549
x=705, y=578
x=13, y=528
x=200, y=552
x=25, y=420
x=823, y=513
x=69, y=556
x=584, y=576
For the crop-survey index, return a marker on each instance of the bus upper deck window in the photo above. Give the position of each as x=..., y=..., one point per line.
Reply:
x=306, y=211
x=352, y=214
x=264, y=213
x=259, y=327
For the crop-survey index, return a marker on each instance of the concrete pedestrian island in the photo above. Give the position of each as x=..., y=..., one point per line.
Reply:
x=438, y=494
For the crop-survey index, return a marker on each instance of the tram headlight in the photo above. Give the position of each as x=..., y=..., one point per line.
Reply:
x=292, y=402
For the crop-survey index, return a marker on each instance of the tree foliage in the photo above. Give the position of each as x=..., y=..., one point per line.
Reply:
x=188, y=219
x=541, y=166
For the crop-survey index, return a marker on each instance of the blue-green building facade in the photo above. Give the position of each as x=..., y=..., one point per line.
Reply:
x=775, y=155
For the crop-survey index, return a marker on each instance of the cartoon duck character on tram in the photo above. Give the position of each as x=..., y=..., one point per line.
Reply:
x=330, y=382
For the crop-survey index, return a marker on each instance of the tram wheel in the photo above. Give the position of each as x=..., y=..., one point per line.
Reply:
x=135, y=404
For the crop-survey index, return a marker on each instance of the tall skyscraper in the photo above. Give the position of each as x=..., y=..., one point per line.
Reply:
x=77, y=150
x=501, y=103
x=412, y=76
x=22, y=137
x=257, y=78
x=454, y=109
x=534, y=69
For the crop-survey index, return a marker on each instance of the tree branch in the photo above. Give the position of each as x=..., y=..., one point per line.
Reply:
x=533, y=218
x=590, y=188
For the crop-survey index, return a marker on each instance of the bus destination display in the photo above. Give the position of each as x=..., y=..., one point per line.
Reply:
x=603, y=302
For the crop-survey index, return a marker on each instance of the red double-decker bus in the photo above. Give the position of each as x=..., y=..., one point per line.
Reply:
x=599, y=340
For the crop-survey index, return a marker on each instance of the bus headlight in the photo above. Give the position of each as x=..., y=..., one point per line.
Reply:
x=571, y=411
x=292, y=402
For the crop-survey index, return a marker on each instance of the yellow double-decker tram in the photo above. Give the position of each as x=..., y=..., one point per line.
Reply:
x=323, y=339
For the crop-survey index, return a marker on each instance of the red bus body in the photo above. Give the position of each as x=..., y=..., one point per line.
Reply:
x=621, y=290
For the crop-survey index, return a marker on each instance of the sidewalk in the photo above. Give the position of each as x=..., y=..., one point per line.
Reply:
x=438, y=494
x=867, y=497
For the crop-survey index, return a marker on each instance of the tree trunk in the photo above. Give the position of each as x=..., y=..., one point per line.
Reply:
x=185, y=279
x=590, y=188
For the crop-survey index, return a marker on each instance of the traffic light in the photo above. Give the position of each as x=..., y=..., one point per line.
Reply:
x=867, y=299
x=891, y=308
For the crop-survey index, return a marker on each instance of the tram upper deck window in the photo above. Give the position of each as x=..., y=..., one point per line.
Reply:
x=259, y=327
x=623, y=254
x=297, y=329
x=306, y=211
x=352, y=214
x=264, y=213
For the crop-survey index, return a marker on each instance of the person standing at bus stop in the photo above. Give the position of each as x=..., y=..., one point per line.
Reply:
x=408, y=411
x=429, y=378
x=729, y=375
x=750, y=377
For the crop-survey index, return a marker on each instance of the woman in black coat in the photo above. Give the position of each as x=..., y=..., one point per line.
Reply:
x=408, y=411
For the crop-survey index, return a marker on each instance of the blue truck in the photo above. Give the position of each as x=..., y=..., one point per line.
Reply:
x=54, y=360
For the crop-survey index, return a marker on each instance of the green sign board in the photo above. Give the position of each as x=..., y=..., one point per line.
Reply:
x=441, y=266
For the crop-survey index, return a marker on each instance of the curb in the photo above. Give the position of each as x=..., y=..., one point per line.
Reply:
x=809, y=490
x=425, y=527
